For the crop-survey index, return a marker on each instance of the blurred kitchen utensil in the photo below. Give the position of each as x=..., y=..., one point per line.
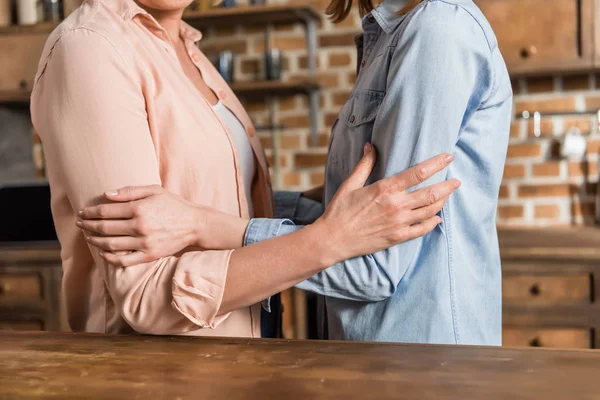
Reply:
x=27, y=12
x=228, y=3
x=574, y=144
x=225, y=65
x=53, y=10
x=273, y=64
x=257, y=2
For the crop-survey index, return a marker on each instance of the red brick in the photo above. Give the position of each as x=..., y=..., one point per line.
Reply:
x=323, y=140
x=524, y=150
x=289, y=141
x=236, y=46
x=584, y=124
x=510, y=211
x=296, y=121
x=546, y=169
x=282, y=160
x=587, y=168
x=592, y=103
x=352, y=78
x=336, y=39
x=339, y=59
x=593, y=146
x=306, y=160
x=317, y=178
x=514, y=171
x=546, y=128
x=303, y=62
x=266, y=142
x=552, y=190
x=504, y=192
x=329, y=80
x=557, y=104
x=547, y=211
x=291, y=179
x=515, y=130
x=340, y=98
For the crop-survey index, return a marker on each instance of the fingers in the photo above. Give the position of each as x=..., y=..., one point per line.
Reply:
x=363, y=169
x=431, y=194
x=419, y=173
x=427, y=212
x=126, y=260
x=131, y=193
x=115, y=243
x=108, y=211
x=418, y=230
x=108, y=227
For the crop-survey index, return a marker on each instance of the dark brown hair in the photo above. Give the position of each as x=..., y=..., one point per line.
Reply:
x=338, y=10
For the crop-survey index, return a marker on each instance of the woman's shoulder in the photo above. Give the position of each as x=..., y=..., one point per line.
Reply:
x=449, y=22
x=89, y=24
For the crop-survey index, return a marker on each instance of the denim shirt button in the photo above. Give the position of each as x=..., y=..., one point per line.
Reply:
x=352, y=118
x=362, y=63
x=371, y=19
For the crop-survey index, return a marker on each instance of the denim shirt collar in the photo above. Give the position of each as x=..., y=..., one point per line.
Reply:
x=386, y=15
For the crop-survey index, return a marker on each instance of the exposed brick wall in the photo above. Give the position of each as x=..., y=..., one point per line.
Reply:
x=539, y=188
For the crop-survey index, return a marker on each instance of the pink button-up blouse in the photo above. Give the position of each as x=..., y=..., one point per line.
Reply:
x=114, y=108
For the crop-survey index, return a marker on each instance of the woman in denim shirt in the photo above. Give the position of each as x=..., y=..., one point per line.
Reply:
x=431, y=79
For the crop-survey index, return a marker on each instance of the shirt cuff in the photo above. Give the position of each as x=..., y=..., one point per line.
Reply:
x=260, y=229
x=286, y=204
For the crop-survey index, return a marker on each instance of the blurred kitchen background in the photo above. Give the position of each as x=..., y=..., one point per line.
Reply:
x=294, y=70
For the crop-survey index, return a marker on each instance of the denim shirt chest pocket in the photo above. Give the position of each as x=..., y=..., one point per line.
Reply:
x=353, y=129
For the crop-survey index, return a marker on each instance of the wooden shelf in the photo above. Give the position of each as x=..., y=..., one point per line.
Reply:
x=241, y=15
x=278, y=88
x=252, y=15
x=252, y=89
x=41, y=28
x=14, y=96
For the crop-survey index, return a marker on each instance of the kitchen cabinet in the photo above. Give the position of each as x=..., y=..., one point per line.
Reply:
x=549, y=288
x=30, y=289
x=20, y=57
x=540, y=36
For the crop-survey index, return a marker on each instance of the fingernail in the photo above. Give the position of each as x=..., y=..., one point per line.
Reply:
x=367, y=148
x=87, y=238
x=79, y=223
x=449, y=158
x=101, y=254
x=440, y=220
x=80, y=212
x=111, y=193
x=457, y=183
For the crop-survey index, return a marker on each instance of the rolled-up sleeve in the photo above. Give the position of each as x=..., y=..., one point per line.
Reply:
x=88, y=107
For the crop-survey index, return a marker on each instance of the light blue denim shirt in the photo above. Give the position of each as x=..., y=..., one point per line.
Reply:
x=429, y=82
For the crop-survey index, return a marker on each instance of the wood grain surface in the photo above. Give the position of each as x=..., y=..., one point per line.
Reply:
x=77, y=366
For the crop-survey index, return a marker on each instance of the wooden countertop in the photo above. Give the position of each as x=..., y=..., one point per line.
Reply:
x=73, y=366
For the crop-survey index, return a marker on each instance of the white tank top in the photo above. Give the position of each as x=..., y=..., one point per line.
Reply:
x=244, y=148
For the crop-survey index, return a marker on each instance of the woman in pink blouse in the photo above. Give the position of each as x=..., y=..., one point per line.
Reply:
x=123, y=97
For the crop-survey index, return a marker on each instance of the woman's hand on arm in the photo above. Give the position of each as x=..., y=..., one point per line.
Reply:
x=151, y=222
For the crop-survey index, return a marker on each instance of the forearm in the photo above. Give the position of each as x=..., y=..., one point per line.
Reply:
x=263, y=269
